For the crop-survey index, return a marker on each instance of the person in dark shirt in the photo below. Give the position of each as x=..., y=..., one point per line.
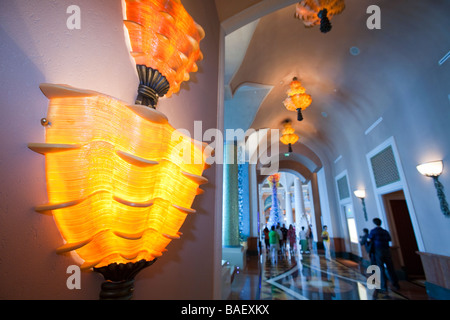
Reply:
x=368, y=246
x=380, y=239
x=284, y=231
x=266, y=238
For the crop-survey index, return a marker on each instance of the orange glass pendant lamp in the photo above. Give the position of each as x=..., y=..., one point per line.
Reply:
x=318, y=12
x=120, y=180
x=164, y=44
x=297, y=99
x=288, y=136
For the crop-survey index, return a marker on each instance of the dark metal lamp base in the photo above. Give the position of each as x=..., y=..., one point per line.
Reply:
x=119, y=279
x=152, y=85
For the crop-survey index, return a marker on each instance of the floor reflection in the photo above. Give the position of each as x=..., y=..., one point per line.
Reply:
x=295, y=276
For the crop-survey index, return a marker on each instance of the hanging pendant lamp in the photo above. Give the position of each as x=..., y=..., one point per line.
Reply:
x=318, y=12
x=297, y=99
x=288, y=136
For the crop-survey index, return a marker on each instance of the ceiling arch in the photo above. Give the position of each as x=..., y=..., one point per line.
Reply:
x=241, y=108
x=264, y=149
x=290, y=166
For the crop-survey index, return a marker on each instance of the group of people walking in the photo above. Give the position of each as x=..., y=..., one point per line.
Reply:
x=376, y=243
x=275, y=239
x=278, y=237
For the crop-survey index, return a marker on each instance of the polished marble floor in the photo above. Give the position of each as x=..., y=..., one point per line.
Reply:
x=295, y=276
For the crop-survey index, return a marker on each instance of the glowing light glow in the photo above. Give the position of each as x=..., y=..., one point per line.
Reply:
x=360, y=193
x=288, y=135
x=274, y=179
x=121, y=180
x=308, y=10
x=297, y=98
x=163, y=36
x=431, y=169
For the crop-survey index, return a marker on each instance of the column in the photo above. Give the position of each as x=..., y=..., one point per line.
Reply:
x=230, y=218
x=299, y=204
x=313, y=212
x=274, y=217
x=232, y=251
x=262, y=214
x=254, y=199
x=244, y=202
x=289, y=217
x=253, y=241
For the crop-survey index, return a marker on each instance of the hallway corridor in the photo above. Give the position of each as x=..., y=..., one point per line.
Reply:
x=311, y=277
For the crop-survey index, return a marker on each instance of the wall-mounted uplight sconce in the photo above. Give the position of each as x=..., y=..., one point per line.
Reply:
x=120, y=179
x=361, y=194
x=434, y=169
x=119, y=187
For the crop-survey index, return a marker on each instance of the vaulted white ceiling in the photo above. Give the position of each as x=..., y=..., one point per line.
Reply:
x=355, y=75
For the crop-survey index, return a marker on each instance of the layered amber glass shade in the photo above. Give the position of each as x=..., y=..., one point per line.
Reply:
x=308, y=10
x=297, y=97
x=120, y=179
x=288, y=135
x=164, y=37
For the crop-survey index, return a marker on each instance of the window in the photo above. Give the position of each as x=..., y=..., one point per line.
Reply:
x=351, y=223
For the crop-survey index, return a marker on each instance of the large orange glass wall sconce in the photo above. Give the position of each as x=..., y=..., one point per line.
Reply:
x=164, y=44
x=120, y=179
x=297, y=100
x=288, y=136
x=318, y=12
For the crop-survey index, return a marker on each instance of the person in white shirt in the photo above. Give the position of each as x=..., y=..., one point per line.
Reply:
x=303, y=242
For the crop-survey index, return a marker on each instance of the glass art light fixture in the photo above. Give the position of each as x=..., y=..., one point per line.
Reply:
x=288, y=136
x=433, y=170
x=119, y=188
x=120, y=179
x=318, y=12
x=164, y=44
x=297, y=99
x=274, y=216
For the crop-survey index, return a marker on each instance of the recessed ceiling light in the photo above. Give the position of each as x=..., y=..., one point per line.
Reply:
x=354, y=51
